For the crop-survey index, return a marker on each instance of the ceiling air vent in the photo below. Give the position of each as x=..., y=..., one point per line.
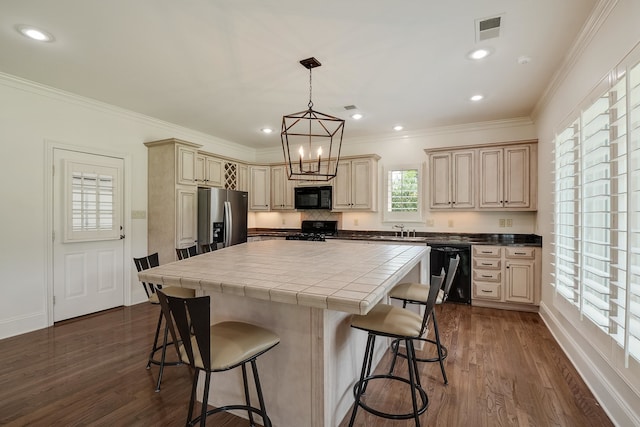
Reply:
x=350, y=107
x=488, y=28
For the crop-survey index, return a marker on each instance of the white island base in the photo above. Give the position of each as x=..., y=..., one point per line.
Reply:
x=308, y=378
x=305, y=292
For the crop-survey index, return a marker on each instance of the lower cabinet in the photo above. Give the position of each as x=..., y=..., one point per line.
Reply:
x=506, y=277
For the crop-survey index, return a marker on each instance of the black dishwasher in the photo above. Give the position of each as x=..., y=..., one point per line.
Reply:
x=440, y=254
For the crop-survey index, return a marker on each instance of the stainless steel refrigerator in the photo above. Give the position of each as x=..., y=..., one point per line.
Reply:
x=222, y=216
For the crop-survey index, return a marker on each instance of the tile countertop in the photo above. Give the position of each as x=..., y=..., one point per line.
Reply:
x=342, y=276
x=421, y=237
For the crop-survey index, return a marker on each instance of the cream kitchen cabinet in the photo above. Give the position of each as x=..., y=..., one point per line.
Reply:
x=451, y=183
x=507, y=177
x=506, y=277
x=281, y=189
x=355, y=186
x=259, y=188
x=243, y=177
x=209, y=171
x=186, y=162
x=172, y=197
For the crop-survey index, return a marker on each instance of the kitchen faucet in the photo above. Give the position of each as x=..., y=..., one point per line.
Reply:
x=401, y=227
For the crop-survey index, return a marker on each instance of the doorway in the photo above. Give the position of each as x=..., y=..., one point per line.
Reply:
x=88, y=233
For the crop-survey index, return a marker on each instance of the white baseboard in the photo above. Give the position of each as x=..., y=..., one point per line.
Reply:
x=22, y=324
x=620, y=405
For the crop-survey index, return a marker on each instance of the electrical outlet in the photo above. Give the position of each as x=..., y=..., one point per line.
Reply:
x=283, y=221
x=430, y=222
x=501, y=222
x=509, y=222
x=450, y=223
x=355, y=221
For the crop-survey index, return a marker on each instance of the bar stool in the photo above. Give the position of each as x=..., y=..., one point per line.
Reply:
x=216, y=348
x=150, y=289
x=183, y=253
x=402, y=325
x=417, y=293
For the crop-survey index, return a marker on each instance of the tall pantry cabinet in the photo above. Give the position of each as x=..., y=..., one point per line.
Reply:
x=172, y=197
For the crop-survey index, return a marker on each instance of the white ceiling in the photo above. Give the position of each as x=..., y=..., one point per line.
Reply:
x=230, y=67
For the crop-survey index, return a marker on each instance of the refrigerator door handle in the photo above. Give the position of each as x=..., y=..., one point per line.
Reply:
x=228, y=226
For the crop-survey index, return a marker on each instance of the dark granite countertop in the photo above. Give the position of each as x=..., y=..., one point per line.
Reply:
x=421, y=237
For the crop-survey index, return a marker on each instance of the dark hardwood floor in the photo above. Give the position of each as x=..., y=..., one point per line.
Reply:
x=504, y=369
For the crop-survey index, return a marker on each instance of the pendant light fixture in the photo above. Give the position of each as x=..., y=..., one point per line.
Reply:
x=311, y=141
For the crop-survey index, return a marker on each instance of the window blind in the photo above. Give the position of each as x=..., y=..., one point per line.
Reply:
x=596, y=254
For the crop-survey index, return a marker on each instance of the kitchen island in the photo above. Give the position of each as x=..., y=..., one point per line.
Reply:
x=306, y=293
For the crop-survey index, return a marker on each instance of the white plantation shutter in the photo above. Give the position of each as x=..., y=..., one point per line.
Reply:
x=566, y=219
x=633, y=263
x=596, y=233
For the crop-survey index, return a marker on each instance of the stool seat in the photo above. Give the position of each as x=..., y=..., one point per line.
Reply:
x=232, y=343
x=389, y=320
x=414, y=292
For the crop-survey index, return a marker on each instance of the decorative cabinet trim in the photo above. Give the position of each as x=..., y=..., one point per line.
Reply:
x=488, y=177
x=506, y=277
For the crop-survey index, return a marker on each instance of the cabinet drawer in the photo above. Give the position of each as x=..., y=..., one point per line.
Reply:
x=487, y=264
x=489, y=291
x=487, y=251
x=520, y=253
x=487, y=275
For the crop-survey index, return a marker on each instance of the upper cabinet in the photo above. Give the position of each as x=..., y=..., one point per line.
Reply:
x=243, y=177
x=209, y=171
x=259, y=188
x=488, y=177
x=281, y=189
x=506, y=180
x=355, y=185
x=451, y=181
x=186, y=164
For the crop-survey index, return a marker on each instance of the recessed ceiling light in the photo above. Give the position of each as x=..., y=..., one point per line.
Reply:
x=266, y=130
x=479, y=53
x=34, y=33
x=356, y=116
x=476, y=98
x=397, y=127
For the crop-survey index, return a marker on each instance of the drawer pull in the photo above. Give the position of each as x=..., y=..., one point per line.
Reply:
x=487, y=275
x=486, y=291
x=486, y=252
x=486, y=263
x=520, y=253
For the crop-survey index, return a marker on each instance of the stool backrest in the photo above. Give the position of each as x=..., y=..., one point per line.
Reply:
x=451, y=273
x=187, y=252
x=146, y=263
x=434, y=288
x=191, y=318
x=208, y=247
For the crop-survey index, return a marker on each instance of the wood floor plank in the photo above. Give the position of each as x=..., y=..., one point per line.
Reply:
x=504, y=369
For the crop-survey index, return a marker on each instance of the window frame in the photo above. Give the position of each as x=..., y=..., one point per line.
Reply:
x=407, y=217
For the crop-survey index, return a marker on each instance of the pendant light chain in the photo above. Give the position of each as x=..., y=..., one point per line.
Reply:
x=310, y=86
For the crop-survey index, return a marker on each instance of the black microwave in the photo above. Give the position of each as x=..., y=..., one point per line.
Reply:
x=313, y=197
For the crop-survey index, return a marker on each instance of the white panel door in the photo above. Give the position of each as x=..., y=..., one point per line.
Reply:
x=88, y=248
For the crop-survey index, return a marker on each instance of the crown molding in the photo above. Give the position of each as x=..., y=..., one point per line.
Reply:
x=172, y=129
x=599, y=15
